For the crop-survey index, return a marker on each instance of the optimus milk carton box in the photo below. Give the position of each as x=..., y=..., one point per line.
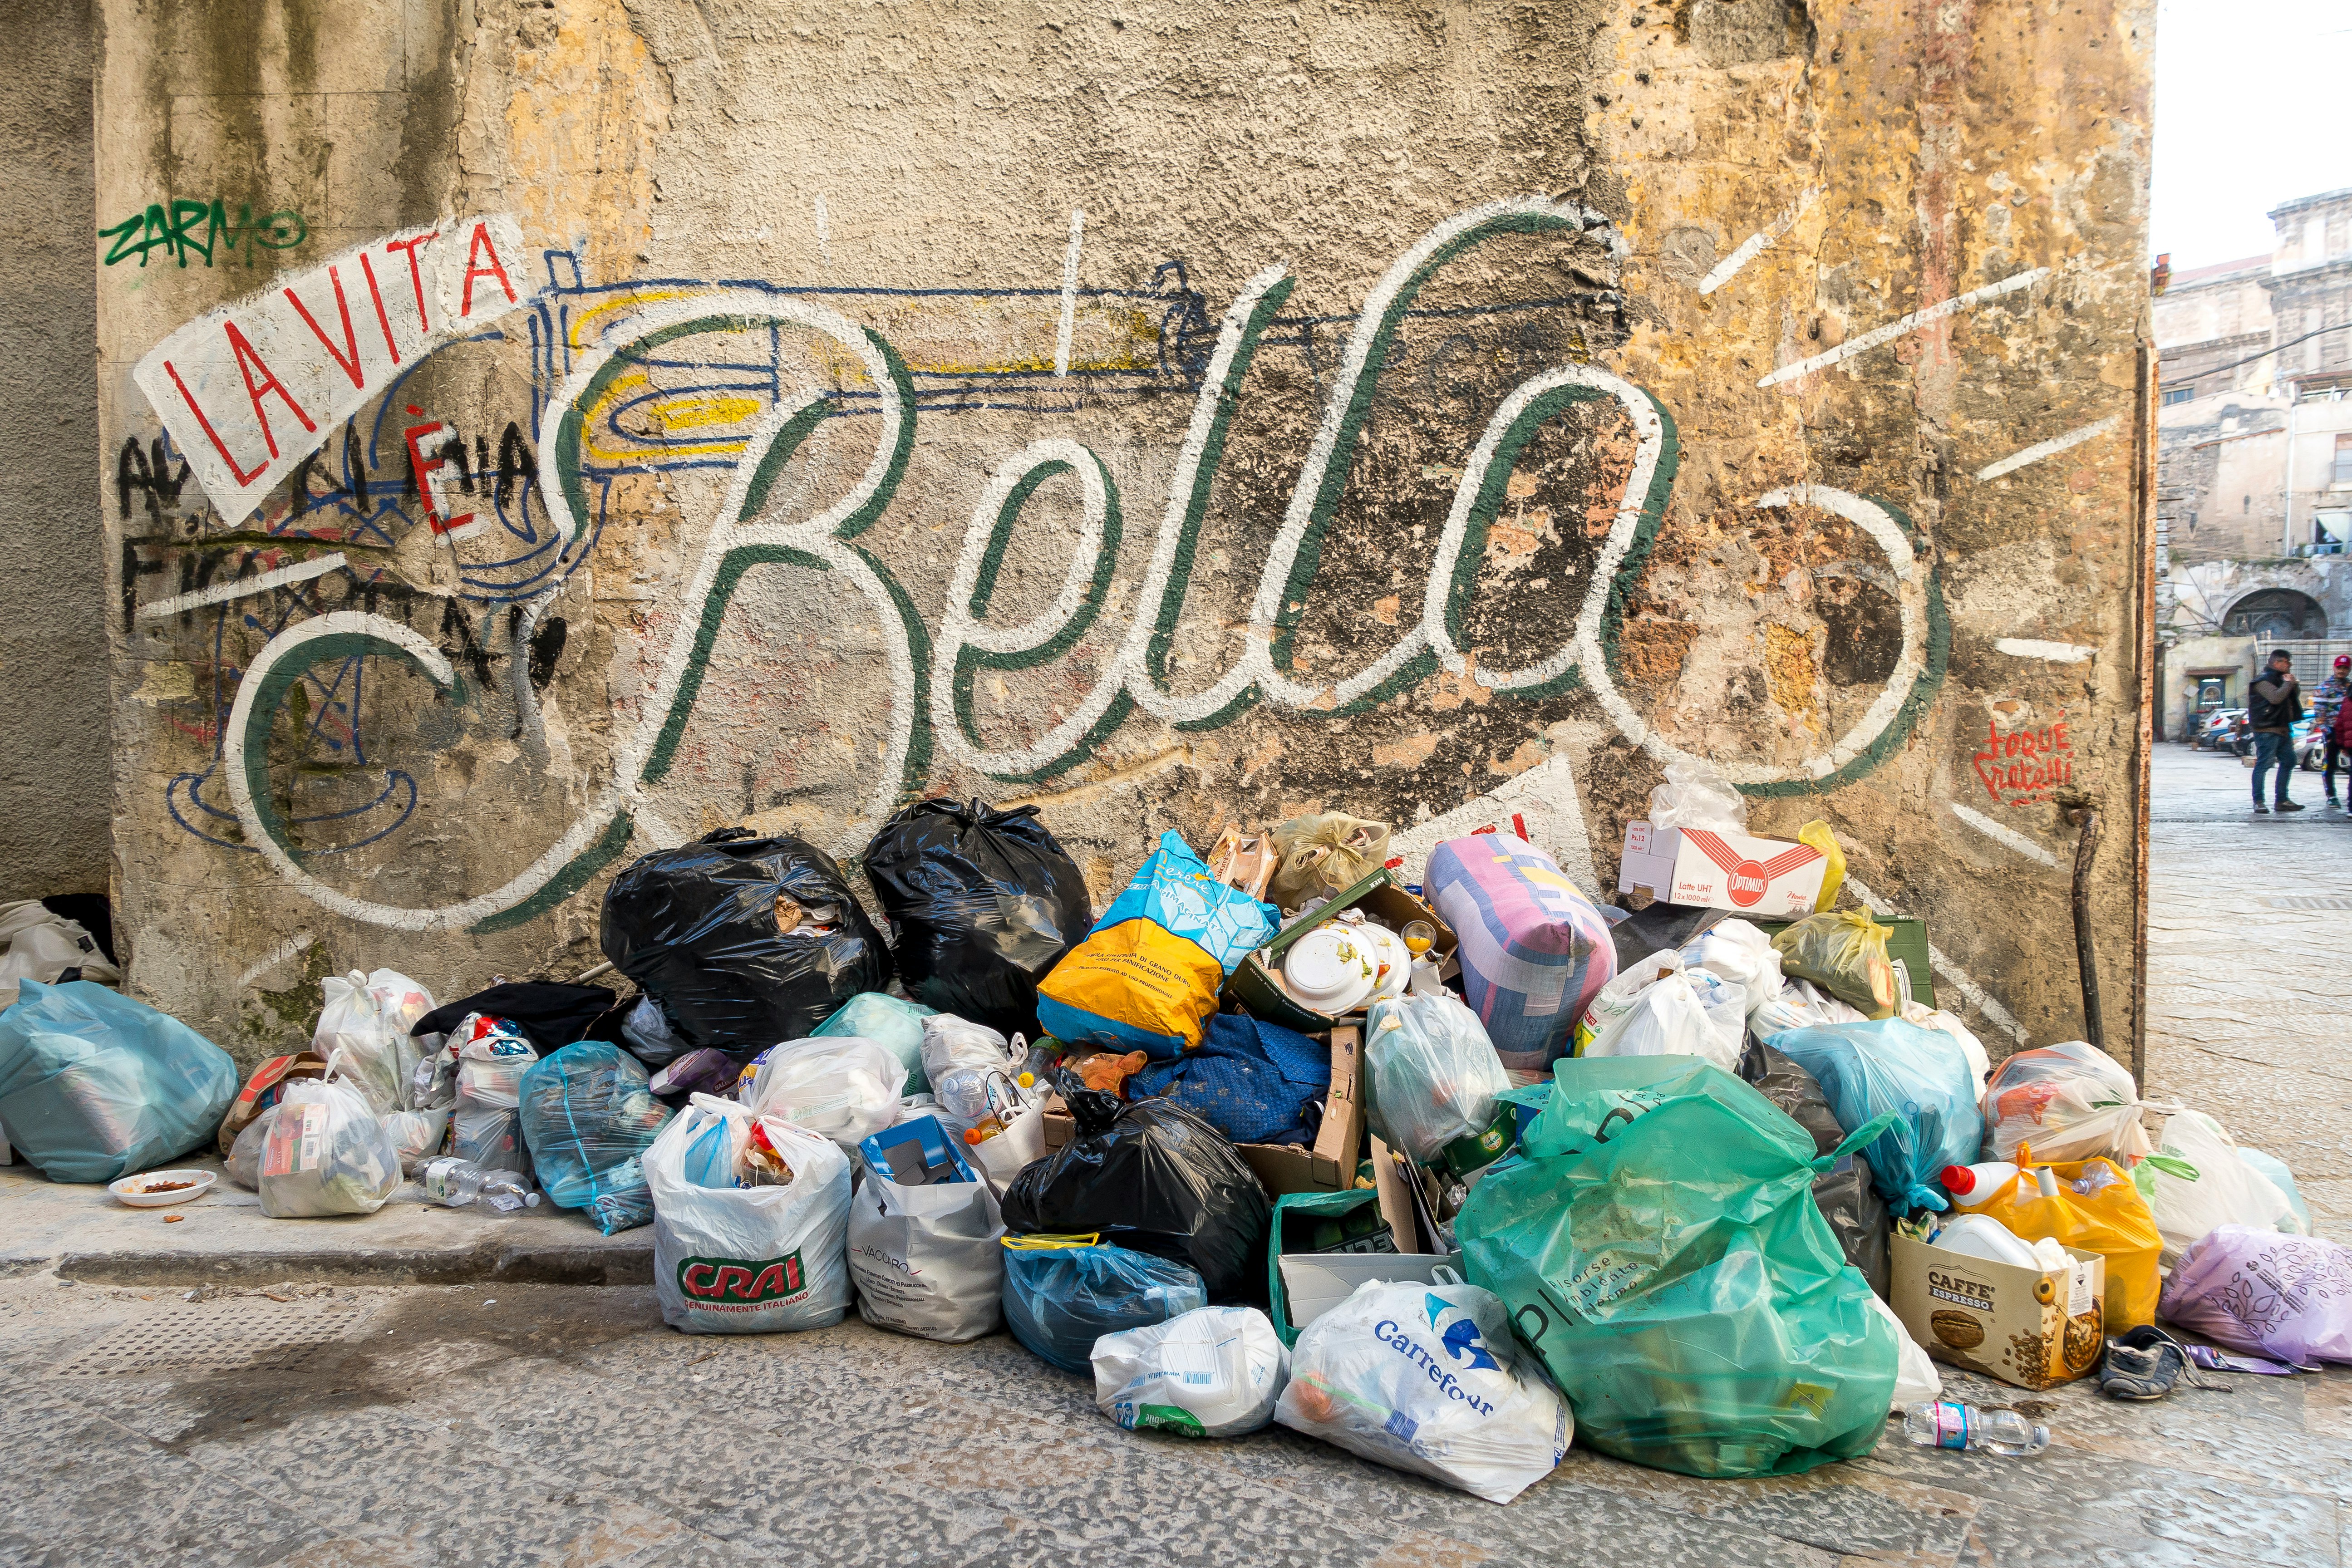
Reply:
x=2017, y=1324
x=1766, y=877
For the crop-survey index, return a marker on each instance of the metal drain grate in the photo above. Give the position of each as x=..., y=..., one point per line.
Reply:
x=215, y=1337
x=2309, y=901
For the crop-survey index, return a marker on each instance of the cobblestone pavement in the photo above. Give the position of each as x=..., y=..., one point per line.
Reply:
x=2249, y=954
x=550, y=1425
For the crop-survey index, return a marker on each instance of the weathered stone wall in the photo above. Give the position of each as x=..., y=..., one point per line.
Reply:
x=53, y=652
x=1169, y=413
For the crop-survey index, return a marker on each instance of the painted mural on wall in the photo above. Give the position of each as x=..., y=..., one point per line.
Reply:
x=415, y=451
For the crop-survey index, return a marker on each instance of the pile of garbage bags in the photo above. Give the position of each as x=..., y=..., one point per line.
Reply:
x=1447, y=1176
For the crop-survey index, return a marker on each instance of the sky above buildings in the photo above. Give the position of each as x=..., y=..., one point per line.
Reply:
x=2253, y=107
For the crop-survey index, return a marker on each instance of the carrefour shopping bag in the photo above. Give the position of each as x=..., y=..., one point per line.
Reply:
x=1656, y=1241
x=1146, y=975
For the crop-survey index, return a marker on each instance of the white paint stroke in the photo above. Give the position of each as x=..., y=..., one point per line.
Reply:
x=244, y=587
x=1755, y=244
x=1904, y=324
x=1069, y=293
x=1973, y=994
x=823, y=232
x=2002, y=834
x=2051, y=448
x=276, y=956
x=2055, y=652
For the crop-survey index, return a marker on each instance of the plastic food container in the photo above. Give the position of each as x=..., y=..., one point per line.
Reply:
x=1332, y=969
x=148, y=1189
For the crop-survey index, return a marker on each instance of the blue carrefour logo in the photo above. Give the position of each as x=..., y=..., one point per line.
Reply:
x=1460, y=1340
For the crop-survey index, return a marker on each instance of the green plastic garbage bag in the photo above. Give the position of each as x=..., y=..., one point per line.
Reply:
x=1656, y=1241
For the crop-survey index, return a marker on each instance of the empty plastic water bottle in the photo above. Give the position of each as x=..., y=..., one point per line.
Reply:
x=1945, y=1425
x=461, y=1183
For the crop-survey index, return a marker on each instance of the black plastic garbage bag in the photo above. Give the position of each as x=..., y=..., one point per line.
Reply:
x=1154, y=1177
x=746, y=943
x=1660, y=928
x=1794, y=1090
x=1855, y=1211
x=551, y=1013
x=984, y=902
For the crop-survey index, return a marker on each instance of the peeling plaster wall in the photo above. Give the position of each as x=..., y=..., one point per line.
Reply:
x=1171, y=415
x=53, y=656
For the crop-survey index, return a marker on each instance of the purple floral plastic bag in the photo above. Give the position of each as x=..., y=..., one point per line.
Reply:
x=2265, y=1293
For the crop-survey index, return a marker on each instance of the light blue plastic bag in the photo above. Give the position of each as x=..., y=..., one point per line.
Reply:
x=94, y=1085
x=587, y=1113
x=1921, y=1075
x=895, y=1023
x=2275, y=1169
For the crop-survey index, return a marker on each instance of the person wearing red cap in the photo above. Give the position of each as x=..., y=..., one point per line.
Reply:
x=2336, y=723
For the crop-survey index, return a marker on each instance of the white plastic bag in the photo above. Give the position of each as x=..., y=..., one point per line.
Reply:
x=749, y=1260
x=846, y=1088
x=1434, y=1074
x=367, y=1018
x=1979, y=1064
x=2068, y=1101
x=417, y=1135
x=1427, y=1378
x=1917, y=1382
x=326, y=1153
x=1741, y=954
x=928, y=1260
x=952, y=1042
x=1667, y=1018
x=35, y=944
x=1696, y=795
x=1213, y=1372
x=491, y=1056
x=2196, y=1181
x=1801, y=1004
x=1615, y=999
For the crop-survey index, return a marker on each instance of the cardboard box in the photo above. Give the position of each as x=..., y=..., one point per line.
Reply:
x=2020, y=1325
x=1315, y=1282
x=1329, y=1166
x=1766, y=877
x=1259, y=990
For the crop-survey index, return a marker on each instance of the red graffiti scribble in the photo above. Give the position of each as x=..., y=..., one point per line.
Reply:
x=2025, y=765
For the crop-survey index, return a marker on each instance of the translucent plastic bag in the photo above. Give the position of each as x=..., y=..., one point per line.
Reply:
x=1324, y=855
x=748, y=1260
x=491, y=1056
x=950, y=1042
x=646, y=1030
x=588, y=1114
x=1427, y=1379
x=2096, y=1209
x=1740, y=953
x=1213, y=1372
x=243, y=1161
x=1655, y=1239
x=1062, y=1294
x=417, y=1135
x=1434, y=1075
x=1696, y=795
x=2196, y=1181
x=1801, y=1004
x=327, y=1152
x=2069, y=1102
x=1688, y=1013
x=2283, y=1180
x=1979, y=1065
x=94, y=1085
x=898, y=1024
x=1614, y=1000
x=1845, y=953
x=1920, y=1076
x=843, y=1089
x=366, y=1019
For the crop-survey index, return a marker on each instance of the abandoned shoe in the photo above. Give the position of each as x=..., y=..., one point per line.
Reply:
x=2142, y=1365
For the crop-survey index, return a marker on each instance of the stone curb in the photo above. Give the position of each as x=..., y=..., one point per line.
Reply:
x=488, y=1262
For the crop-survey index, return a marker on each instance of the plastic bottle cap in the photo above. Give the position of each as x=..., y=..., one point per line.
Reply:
x=971, y=1134
x=1959, y=1179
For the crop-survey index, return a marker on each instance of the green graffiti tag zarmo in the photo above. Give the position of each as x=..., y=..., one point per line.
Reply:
x=932, y=676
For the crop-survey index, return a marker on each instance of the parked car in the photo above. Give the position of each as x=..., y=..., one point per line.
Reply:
x=2220, y=731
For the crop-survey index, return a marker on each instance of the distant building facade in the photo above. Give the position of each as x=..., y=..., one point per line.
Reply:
x=2254, y=459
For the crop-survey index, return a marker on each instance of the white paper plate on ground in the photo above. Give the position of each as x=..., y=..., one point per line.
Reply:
x=154, y=1189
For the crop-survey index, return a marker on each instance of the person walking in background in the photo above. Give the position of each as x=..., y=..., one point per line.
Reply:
x=2329, y=707
x=2272, y=710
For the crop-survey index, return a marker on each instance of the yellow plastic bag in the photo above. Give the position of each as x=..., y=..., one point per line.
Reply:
x=1845, y=952
x=2098, y=1210
x=1817, y=834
